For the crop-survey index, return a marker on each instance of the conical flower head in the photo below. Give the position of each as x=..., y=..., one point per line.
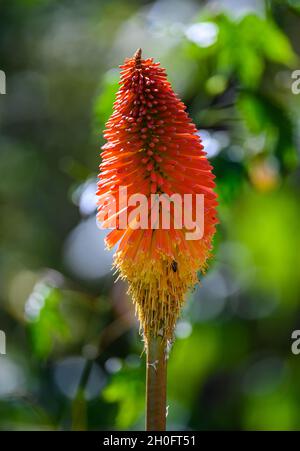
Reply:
x=154, y=181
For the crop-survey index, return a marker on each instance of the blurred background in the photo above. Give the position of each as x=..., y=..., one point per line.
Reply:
x=74, y=358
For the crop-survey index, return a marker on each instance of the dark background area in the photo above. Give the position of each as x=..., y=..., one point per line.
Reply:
x=74, y=358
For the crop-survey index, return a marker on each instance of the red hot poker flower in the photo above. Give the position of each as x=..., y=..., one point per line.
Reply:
x=154, y=148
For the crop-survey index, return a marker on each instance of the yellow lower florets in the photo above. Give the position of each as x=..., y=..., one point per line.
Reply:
x=158, y=288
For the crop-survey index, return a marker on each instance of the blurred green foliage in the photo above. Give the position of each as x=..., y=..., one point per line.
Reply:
x=74, y=355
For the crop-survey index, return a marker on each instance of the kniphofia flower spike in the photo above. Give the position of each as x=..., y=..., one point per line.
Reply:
x=153, y=147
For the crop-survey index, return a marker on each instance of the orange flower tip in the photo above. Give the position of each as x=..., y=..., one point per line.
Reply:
x=137, y=57
x=107, y=245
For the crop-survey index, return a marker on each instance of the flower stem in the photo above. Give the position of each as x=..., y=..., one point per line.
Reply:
x=156, y=384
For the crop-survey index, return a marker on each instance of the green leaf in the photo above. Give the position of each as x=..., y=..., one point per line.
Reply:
x=49, y=325
x=127, y=389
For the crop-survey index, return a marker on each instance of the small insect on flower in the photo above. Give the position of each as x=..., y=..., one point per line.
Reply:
x=174, y=265
x=154, y=149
